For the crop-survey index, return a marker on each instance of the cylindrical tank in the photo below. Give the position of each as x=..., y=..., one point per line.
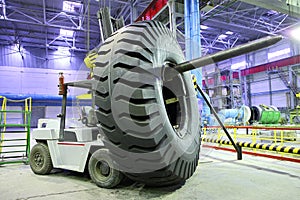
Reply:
x=265, y=114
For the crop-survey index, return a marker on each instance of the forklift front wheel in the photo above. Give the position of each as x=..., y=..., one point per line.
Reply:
x=102, y=171
x=40, y=159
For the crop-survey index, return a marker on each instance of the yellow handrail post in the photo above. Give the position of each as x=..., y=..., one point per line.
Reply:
x=281, y=137
x=234, y=134
x=3, y=107
x=3, y=114
x=26, y=110
x=30, y=103
x=275, y=136
x=254, y=133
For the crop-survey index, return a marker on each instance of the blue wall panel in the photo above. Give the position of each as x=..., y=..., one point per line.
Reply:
x=36, y=58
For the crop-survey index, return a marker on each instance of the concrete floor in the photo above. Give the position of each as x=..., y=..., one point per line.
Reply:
x=218, y=176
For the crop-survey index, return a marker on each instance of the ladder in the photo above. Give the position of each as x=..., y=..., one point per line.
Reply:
x=284, y=79
x=15, y=130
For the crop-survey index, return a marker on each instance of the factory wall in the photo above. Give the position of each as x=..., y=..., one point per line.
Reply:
x=20, y=80
x=286, y=48
x=59, y=59
x=72, y=116
x=268, y=89
x=39, y=82
x=27, y=72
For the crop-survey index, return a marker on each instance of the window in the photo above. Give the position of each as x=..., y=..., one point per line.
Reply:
x=70, y=6
x=222, y=36
x=66, y=33
x=282, y=52
x=203, y=27
x=239, y=65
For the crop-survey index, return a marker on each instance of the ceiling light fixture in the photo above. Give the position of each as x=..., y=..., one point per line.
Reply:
x=222, y=36
x=66, y=33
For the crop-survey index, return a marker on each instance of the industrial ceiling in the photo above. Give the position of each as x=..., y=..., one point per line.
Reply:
x=50, y=25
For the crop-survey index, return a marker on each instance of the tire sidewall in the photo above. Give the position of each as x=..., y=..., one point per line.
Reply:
x=172, y=52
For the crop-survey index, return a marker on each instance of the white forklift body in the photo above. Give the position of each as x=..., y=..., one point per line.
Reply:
x=73, y=149
x=72, y=152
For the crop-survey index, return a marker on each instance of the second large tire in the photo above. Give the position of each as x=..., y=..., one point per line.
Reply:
x=151, y=124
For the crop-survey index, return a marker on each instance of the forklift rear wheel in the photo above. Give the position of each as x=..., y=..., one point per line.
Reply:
x=101, y=170
x=40, y=159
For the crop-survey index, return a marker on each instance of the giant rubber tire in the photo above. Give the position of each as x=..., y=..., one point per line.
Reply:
x=40, y=159
x=145, y=130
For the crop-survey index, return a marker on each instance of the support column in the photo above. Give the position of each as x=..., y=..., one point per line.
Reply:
x=193, y=45
x=46, y=33
x=88, y=27
x=172, y=17
x=244, y=90
x=192, y=34
x=133, y=11
x=292, y=78
x=192, y=29
x=3, y=5
x=270, y=89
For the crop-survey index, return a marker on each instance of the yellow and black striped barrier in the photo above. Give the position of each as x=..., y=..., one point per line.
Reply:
x=194, y=81
x=269, y=147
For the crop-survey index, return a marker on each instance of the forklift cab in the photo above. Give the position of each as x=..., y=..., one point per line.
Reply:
x=89, y=131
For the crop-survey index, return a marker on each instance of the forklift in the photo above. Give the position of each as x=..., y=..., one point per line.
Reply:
x=76, y=148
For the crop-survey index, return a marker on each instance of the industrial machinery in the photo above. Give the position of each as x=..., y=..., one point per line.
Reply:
x=236, y=116
x=148, y=122
x=264, y=114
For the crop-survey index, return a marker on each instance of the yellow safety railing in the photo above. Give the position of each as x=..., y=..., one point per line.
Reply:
x=3, y=115
x=256, y=136
x=4, y=112
x=27, y=106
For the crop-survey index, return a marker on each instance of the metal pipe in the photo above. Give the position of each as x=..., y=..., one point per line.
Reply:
x=4, y=9
x=172, y=17
x=236, y=147
x=63, y=114
x=88, y=27
x=227, y=54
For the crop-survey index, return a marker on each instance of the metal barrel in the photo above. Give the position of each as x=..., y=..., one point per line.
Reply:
x=227, y=54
